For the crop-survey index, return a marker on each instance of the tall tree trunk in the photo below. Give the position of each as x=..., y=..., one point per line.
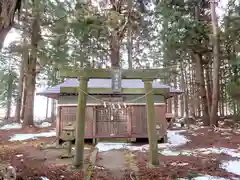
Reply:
x=20, y=86
x=222, y=96
x=175, y=98
x=186, y=97
x=234, y=108
x=198, y=101
x=30, y=92
x=203, y=106
x=201, y=84
x=46, y=116
x=9, y=96
x=31, y=70
x=117, y=36
x=225, y=96
x=216, y=66
x=195, y=94
x=129, y=48
x=192, y=91
x=209, y=87
x=224, y=101
x=115, y=51
x=169, y=105
x=7, y=13
x=22, y=112
x=53, y=107
x=182, y=96
x=129, y=37
x=53, y=110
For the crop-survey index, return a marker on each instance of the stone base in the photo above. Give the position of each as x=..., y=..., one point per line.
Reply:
x=64, y=156
x=151, y=166
x=74, y=168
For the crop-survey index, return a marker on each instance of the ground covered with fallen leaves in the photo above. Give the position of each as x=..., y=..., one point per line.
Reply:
x=198, y=153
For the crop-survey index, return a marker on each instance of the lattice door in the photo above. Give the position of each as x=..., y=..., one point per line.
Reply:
x=111, y=122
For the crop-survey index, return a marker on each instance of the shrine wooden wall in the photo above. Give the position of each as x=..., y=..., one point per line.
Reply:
x=104, y=122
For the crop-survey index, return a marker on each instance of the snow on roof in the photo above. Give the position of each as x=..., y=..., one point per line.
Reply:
x=104, y=83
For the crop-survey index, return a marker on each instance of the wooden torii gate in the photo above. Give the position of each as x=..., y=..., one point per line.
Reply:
x=84, y=74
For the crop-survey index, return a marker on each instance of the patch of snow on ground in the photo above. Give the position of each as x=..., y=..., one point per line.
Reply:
x=237, y=131
x=230, y=152
x=11, y=126
x=209, y=178
x=45, y=124
x=177, y=124
x=231, y=166
x=102, y=146
x=73, y=148
x=202, y=151
x=142, y=148
x=22, y=137
x=223, y=129
x=179, y=164
x=43, y=178
x=175, y=139
x=19, y=155
x=206, y=177
x=39, y=119
x=168, y=152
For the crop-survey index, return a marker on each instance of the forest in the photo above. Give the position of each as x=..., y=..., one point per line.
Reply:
x=194, y=43
x=142, y=34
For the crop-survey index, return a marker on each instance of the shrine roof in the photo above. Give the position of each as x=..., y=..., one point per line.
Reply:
x=104, y=83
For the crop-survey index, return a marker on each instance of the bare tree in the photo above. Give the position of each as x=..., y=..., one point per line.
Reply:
x=8, y=9
x=216, y=66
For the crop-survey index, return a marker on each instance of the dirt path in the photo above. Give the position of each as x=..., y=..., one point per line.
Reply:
x=114, y=161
